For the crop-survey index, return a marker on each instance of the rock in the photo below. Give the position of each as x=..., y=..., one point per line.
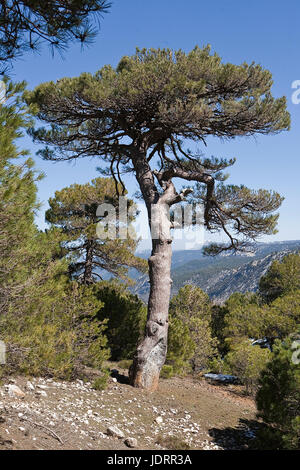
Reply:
x=115, y=432
x=4, y=442
x=159, y=420
x=131, y=442
x=41, y=393
x=223, y=378
x=114, y=380
x=15, y=391
x=29, y=386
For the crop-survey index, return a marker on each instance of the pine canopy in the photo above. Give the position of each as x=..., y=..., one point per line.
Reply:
x=140, y=116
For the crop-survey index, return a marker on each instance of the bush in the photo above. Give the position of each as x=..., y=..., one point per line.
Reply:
x=58, y=337
x=126, y=318
x=100, y=383
x=278, y=399
x=166, y=372
x=246, y=362
x=281, y=278
x=190, y=343
x=180, y=346
x=247, y=317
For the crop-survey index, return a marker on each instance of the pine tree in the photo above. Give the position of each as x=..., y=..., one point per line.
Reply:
x=47, y=322
x=17, y=195
x=190, y=342
x=247, y=317
x=278, y=399
x=126, y=318
x=139, y=118
x=24, y=25
x=74, y=211
x=281, y=278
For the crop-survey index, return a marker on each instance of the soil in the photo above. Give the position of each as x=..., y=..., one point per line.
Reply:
x=184, y=413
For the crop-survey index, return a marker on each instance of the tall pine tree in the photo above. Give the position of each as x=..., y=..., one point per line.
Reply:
x=139, y=117
x=74, y=211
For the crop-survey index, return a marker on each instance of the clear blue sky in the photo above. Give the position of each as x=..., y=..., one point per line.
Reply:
x=265, y=31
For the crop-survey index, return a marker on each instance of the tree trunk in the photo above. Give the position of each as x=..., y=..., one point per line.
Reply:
x=88, y=267
x=151, y=352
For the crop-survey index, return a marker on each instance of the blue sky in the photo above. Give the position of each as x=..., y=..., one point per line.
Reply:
x=265, y=31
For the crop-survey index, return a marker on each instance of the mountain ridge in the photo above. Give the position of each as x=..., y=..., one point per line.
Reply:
x=220, y=276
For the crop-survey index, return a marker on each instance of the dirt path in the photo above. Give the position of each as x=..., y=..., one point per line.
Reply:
x=183, y=413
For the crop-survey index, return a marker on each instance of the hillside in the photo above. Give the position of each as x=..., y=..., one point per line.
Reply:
x=222, y=275
x=182, y=414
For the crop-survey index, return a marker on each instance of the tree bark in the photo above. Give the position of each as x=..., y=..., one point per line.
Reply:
x=88, y=268
x=151, y=352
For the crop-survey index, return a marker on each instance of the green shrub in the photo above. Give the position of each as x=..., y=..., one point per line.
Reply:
x=58, y=336
x=100, y=383
x=246, y=362
x=180, y=346
x=281, y=278
x=190, y=342
x=166, y=372
x=216, y=365
x=126, y=318
x=278, y=399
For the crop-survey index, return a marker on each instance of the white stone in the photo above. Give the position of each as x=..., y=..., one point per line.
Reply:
x=29, y=385
x=115, y=432
x=41, y=393
x=131, y=442
x=15, y=391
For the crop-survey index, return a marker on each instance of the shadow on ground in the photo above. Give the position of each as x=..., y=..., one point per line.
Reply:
x=121, y=378
x=241, y=437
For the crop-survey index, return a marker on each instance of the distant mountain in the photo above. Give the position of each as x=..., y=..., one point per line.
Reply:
x=222, y=275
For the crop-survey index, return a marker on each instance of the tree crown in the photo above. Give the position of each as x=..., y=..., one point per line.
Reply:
x=139, y=117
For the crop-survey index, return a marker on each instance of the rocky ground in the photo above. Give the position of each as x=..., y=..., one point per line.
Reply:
x=37, y=413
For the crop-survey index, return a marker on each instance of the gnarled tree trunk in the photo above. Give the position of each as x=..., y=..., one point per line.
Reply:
x=151, y=352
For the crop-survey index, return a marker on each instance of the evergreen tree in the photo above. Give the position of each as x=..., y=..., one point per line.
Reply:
x=243, y=318
x=25, y=24
x=126, y=318
x=247, y=362
x=74, y=211
x=46, y=322
x=191, y=344
x=17, y=195
x=247, y=317
x=139, y=118
x=278, y=399
x=281, y=278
